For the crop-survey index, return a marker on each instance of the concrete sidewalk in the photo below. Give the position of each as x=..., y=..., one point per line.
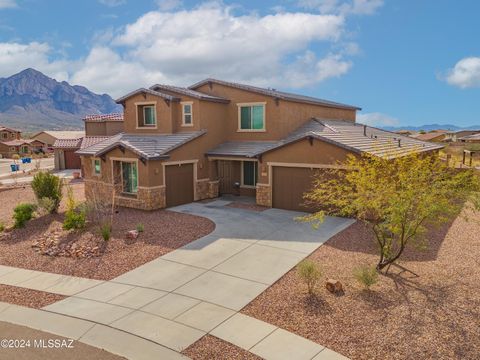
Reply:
x=176, y=299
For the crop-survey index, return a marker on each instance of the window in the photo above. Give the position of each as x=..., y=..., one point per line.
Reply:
x=187, y=114
x=129, y=177
x=146, y=116
x=249, y=173
x=149, y=116
x=252, y=117
x=24, y=149
x=4, y=135
x=97, y=167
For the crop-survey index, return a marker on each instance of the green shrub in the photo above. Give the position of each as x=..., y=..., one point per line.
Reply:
x=75, y=217
x=366, y=275
x=46, y=185
x=310, y=273
x=2, y=227
x=47, y=205
x=23, y=213
x=15, y=157
x=140, y=228
x=106, y=231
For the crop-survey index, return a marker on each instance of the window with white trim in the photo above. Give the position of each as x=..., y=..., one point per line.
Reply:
x=251, y=117
x=249, y=173
x=97, y=167
x=129, y=177
x=187, y=114
x=146, y=115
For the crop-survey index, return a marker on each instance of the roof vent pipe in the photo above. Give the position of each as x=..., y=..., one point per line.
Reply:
x=399, y=142
x=364, y=130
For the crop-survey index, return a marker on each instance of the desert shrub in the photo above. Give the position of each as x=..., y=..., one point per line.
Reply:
x=106, y=231
x=74, y=216
x=140, y=227
x=46, y=185
x=2, y=227
x=15, y=157
x=23, y=213
x=310, y=273
x=47, y=205
x=366, y=275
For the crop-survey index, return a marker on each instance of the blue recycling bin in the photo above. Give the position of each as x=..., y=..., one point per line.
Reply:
x=14, y=167
x=24, y=160
x=29, y=160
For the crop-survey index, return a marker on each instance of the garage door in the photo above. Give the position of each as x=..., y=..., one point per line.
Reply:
x=179, y=184
x=288, y=186
x=72, y=160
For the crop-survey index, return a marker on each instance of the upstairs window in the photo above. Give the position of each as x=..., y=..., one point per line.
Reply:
x=187, y=116
x=252, y=117
x=4, y=135
x=249, y=173
x=146, y=115
x=97, y=167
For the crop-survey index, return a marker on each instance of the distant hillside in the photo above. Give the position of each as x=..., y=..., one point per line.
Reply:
x=431, y=127
x=32, y=101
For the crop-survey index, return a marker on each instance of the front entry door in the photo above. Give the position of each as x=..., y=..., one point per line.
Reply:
x=225, y=176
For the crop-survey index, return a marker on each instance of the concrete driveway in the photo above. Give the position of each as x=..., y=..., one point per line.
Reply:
x=176, y=299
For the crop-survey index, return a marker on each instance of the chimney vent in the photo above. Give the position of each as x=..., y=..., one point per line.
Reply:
x=399, y=142
x=364, y=130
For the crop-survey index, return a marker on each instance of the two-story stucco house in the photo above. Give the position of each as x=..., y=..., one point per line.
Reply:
x=215, y=137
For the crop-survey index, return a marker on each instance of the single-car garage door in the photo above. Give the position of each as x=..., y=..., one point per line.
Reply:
x=179, y=184
x=289, y=185
x=72, y=160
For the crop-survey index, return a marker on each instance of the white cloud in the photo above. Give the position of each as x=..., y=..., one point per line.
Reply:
x=184, y=46
x=465, y=73
x=377, y=119
x=168, y=5
x=8, y=4
x=15, y=57
x=112, y=3
x=356, y=7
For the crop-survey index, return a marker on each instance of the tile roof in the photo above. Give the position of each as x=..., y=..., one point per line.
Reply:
x=189, y=92
x=343, y=133
x=20, y=142
x=88, y=141
x=62, y=134
x=103, y=117
x=4, y=128
x=431, y=135
x=150, y=147
x=248, y=149
x=67, y=143
x=470, y=137
x=276, y=94
x=147, y=91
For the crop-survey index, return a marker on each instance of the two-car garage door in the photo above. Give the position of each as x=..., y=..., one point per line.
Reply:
x=179, y=184
x=288, y=186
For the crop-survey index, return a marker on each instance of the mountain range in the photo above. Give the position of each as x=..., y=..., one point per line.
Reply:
x=31, y=101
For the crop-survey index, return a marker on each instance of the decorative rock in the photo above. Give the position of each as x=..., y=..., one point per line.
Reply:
x=132, y=234
x=334, y=286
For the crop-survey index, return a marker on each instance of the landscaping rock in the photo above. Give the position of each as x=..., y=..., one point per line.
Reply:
x=334, y=286
x=132, y=234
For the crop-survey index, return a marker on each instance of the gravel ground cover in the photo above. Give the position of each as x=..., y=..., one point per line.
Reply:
x=211, y=347
x=429, y=308
x=26, y=297
x=163, y=232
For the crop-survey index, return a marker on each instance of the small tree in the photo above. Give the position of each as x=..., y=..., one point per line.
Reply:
x=74, y=216
x=366, y=275
x=46, y=185
x=310, y=273
x=398, y=198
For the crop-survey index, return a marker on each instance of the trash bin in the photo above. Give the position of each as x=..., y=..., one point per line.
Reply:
x=29, y=160
x=24, y=160
x=15, y=167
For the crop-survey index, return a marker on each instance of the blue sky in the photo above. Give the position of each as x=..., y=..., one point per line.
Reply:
x=404, y=62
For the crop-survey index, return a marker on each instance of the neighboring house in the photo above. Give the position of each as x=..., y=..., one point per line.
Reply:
x=406, y=132
x=97, y=128
x=50, y=136
x=215, y=137
x=20, y=147
x=103, y=125
x=455, y=136
x=8, y=134
x=474, y=138
x=433, y=136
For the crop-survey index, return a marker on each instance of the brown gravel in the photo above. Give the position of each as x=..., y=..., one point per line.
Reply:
x=429, y=311
x=247, y=206
x=212, y=348
x=26, y=297
x=164, y=231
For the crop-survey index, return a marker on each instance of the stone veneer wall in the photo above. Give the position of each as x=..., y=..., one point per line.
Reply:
x=213, y=187
x=201, y=191
x=264, y=195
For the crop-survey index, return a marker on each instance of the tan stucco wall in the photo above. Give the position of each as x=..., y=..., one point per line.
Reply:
x=281, y=118
x=10, y=135
x=164, y=115
x=45, y=138
x=103, y=128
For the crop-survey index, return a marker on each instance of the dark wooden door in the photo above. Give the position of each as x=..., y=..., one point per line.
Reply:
x=179, y=184
x=225, y=176
x=289, y=185
x=72, y=160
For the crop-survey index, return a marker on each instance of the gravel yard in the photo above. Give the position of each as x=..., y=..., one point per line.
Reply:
x=164, y=231
x=211, y=347
x=432, y=312
x=26, y=297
